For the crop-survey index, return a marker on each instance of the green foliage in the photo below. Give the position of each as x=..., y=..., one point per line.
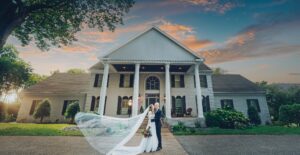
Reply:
x=228, y=119
x=197, y=124
x=76, y=71
x=72, y=110
x=14, y=72
x=55, y=22
x=277, y=96
x=2, y=112
x=43, y=110
x=254, y=116
x=34, y=79
x=179, y=127
x=289, y=114
x=219, y=71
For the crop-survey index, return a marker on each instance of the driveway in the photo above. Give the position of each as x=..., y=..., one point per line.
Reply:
x=241, y=144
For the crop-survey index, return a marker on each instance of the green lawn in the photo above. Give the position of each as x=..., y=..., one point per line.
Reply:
x=259, y=130
x=30, y=129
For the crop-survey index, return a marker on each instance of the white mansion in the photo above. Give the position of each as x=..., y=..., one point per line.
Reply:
x=152, y=67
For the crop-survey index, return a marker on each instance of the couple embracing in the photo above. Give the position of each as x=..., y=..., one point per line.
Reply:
x=152, y=142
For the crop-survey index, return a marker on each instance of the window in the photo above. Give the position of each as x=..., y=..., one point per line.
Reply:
x=98, y=80
x=203, y=81
x=227, y=104
x=126, y=80
x=205, y=103
x=178, y=106
x=66, y=103
x=177, y=81
x=33, y=106
x=124, y=105
x=152, y=83
x=254, y=103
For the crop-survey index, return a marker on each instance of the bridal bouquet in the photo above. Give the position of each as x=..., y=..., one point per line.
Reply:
x=147, y=132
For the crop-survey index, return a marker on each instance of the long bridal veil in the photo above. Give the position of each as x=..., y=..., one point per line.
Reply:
x=108, y=135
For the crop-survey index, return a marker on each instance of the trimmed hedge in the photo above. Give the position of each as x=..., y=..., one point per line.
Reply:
x=289, y=114
x=226, y=119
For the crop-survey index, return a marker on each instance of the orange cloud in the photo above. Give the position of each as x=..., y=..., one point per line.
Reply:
x=76, y=48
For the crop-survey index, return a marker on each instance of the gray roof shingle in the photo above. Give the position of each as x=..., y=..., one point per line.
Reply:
x=65, y=83
x=233, y=83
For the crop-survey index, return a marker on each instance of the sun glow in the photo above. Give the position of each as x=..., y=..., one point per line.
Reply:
x=9, y=97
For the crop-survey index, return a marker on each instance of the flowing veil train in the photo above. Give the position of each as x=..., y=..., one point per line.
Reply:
x=108, y=135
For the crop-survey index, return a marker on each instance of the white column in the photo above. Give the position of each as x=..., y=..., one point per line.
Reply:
x=136, y=90
x=198, y=92
x=168, y=91
x=103, y=89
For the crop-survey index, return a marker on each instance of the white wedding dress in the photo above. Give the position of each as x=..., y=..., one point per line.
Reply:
x=108, y=135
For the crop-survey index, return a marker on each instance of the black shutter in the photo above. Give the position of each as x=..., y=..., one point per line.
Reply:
x=97, y=101
x=121, y=84
x=173, y=104
x=119, y=105
x=33, y=105
x=96, y=80
x=183, y=105
x=207, y=103
x=104, y=105
x=64, y=107
x=196, y=104
x=182, y=81
x=203, y=103
x=131, y=80
x=194, y=81
x=204, y=81
x=173, y=81
x=222, y=104
x=93, y=103
x=107, y=81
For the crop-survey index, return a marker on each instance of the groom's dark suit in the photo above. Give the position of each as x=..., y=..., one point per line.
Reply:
x=156, y=119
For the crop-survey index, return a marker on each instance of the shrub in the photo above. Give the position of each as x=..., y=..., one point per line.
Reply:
x=43, y=110
x=72, y=110
x=254, y=116
x=227, y=119
x=290, y=114
x=179, y=127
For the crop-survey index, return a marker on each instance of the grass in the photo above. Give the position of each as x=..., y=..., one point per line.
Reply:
x=259, y=130
x=30, y=129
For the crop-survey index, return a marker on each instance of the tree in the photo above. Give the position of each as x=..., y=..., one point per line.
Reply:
x=34, y=78
x=72, y=110
x=43, y=110
x=254, y=116
x=14, y=72
x=55, y=22
x=219, y=71
x=76, y=71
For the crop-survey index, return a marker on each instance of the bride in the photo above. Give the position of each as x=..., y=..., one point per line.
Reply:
x=109, y=135
x=150, y=144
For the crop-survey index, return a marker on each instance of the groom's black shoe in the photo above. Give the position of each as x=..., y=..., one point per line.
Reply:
x=159, y=148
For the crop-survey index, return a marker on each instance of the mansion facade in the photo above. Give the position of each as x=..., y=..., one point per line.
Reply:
x=152, y=67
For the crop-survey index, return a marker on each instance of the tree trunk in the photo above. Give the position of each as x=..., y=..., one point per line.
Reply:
x=10, y=18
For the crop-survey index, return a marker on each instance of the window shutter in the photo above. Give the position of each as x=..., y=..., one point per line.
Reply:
x=119, y=105
x=182, y=81
x=97, y=101
x=194, y=81
x=107, y=81
x=203, y=103
x=207, y=104
x=104, y=105
x=173, y=104
x=173, y=81
x=131, y=80
x=222, y=104
x=93, y=104
x=96, y=80
x=196, y=104
x=205, y=81
x=33, y=105
x=257, y=105
x=183, y=105
x=64, y=107
x=121, y=84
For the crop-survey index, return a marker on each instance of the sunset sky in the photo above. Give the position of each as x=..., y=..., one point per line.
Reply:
x=259, y=39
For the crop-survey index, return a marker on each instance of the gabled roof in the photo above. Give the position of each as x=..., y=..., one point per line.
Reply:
x=62, y=83
x=152, y=44
x=234, y=83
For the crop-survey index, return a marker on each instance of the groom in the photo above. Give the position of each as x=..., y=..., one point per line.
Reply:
x=157, y=121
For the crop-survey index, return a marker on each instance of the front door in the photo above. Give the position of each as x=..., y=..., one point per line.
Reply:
x=151, y=99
